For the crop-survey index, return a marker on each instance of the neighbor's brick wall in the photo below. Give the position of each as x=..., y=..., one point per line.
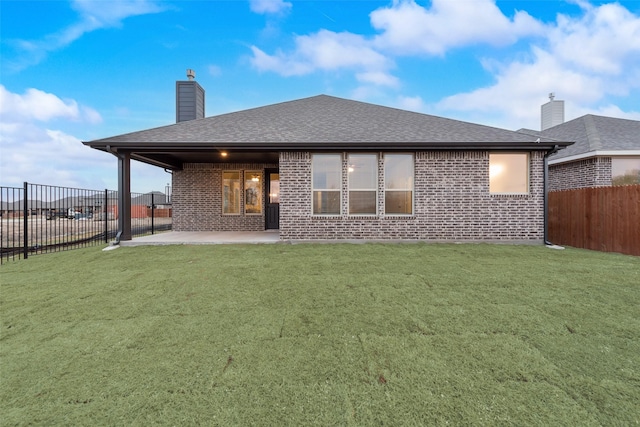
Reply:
x=593, y=172
x=197, y=198
x=452, y=202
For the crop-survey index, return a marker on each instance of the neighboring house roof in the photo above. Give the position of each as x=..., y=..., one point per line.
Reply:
x=18, y=205
x=145, y=199
x=81, y=201
x=317, y=123
x=594, y=135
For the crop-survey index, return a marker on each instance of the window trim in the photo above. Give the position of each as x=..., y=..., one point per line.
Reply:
x=375, y=186
x=412, y=189
x=339, y=190
x=240, y=198
x=527, y=176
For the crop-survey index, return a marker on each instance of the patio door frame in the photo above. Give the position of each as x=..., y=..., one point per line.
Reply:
x=272, y=210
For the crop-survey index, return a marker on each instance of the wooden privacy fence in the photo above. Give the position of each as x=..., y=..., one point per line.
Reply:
x=602, y=218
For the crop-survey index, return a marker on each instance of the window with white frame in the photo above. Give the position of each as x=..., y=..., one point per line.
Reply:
x=326, y=172
x=509, y=173
x=398, y=184
x=231, y=190
x=362, y=172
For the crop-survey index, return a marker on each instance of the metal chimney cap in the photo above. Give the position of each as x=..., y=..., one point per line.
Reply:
x=191, y=74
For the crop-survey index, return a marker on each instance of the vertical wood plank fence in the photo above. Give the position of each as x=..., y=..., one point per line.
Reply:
x=604, y=219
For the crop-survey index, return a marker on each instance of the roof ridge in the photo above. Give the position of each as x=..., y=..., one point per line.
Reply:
x=600, y=116
x=593, y=135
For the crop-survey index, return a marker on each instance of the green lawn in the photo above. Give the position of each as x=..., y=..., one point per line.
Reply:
x=368, y=334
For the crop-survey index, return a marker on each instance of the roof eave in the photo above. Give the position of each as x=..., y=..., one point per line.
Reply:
x=595, y=153
x=140, y=147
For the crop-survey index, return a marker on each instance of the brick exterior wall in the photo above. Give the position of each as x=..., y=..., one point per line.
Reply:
x=197, y=199
x=451, y=199
x=593, y=172
x=452, y=202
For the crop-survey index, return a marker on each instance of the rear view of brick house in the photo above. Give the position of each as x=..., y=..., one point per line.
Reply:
x=331, y=168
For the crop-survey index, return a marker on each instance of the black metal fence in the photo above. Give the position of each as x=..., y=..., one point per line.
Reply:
x=38, y=219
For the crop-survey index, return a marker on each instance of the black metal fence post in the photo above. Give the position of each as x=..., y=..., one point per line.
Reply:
x=60, y=218
x=25, y=221
x=106, y=216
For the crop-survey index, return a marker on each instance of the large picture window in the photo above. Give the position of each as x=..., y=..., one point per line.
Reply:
x=509, y=173
x=363, y=184
x=625, y=170
x=253, y=192
x=231, y=192
x=326, y=171
x=398, y=184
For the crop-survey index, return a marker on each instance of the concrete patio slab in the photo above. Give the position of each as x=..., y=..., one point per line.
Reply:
x=204, y=238
x=273, y=236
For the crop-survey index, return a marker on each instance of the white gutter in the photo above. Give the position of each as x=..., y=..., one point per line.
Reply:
x=605, y=153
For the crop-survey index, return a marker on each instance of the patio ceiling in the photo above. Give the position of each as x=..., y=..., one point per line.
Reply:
x=175, y=159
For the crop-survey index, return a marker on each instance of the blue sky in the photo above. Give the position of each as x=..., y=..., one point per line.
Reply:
x=79, y=70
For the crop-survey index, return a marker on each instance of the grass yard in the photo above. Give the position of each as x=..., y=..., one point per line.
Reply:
x=361, y=335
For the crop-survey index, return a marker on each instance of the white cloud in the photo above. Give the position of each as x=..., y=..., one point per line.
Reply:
x=44, y=156
x=582, y=61
x=99, y=15
x=367, y=93
x=377, y=78
x=41, y=106
x=33, y=152
x=328, y=51
x=408, y=28
x=610, y=110
x=35, y=104
x=90, y=115
x=279, y=63
x=519, y=84
x=583, y=58
x=269, y=6
x=94, y=15
x=411, y=103
x=602, y=42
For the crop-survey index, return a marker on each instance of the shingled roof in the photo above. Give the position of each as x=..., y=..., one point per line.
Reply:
x=322, y=123
x=322, y=119
x=595, y=133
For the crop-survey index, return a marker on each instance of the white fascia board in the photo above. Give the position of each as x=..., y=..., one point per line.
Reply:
x=613, y=153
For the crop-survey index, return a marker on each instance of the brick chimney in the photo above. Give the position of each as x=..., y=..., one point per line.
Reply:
x=189, y=99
